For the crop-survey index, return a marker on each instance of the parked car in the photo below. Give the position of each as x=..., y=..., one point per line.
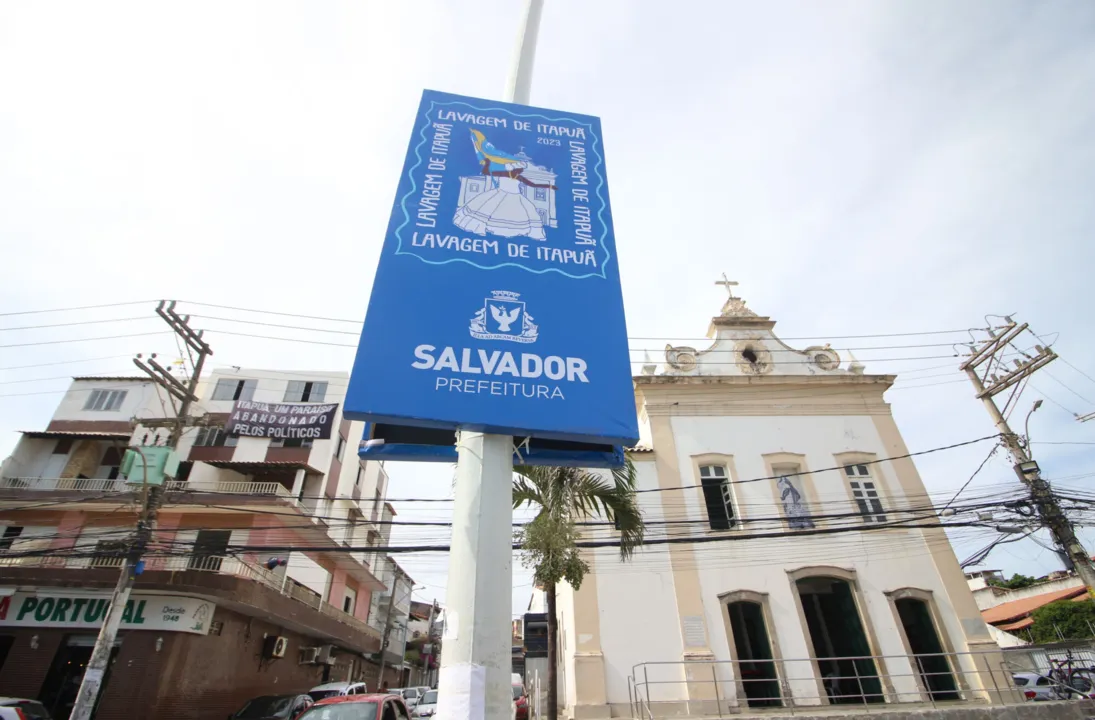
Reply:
x=358, y=707
x=520, y=701
x=337, y=689
x=20, y=709
x=1035, y=687
x=427, y=705
x=273, y=707
x=410, y=696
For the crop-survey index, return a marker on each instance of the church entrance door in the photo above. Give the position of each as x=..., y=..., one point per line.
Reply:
x=839, y=641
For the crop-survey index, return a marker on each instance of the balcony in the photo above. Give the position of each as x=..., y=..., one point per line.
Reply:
x=213, y=565
x=86, y=485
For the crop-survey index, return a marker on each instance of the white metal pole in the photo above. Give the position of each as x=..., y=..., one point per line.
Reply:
x=477, y=661
x=474, y=680
x=520, y=79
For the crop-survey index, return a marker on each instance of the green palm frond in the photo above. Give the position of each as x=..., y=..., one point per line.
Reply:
x=581, y=493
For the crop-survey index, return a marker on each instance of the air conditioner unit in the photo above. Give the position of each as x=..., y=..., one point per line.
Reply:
x=279, y=646
x=325, y=655
x=309, y=655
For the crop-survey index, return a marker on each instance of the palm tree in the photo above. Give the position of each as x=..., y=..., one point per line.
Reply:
x=564, y=495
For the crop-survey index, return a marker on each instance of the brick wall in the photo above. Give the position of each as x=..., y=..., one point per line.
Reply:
x=25, y=667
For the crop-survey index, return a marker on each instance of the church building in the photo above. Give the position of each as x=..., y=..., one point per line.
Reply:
x=790, y=565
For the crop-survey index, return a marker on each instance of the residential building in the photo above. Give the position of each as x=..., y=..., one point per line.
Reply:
x=216, y=616
x=845, y=600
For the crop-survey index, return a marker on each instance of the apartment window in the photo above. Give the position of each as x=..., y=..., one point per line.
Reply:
x=227, y=389
x=105, y=400
x=865, y=493
x=341, y=447
x=305, y=391
x=349, y=600
x=357, y=480
x=717, y=496
x=11, y=532
x=291, y=442
x=214, y=437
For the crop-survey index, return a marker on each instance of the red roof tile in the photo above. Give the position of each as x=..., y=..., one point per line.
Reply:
x=1018, y=609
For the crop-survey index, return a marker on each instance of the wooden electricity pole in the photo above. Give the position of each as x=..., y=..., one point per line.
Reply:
x=184, y=394
x=994, y=378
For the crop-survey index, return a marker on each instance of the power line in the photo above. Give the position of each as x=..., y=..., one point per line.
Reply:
x=837, y=467
x=79, y=322
x=1066, y=362
x=63, y=362
x=82, y=307
x=75, y=340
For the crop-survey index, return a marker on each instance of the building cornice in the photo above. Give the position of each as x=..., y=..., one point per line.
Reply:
x=764, y=395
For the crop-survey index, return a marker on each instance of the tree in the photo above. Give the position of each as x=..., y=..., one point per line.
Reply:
x=1015, y=582
x=565, y=495
x=1074, y=620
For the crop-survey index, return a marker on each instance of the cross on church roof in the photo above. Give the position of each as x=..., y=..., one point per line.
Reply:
x=728, y=284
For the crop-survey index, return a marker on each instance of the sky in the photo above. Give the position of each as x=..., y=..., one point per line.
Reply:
x=859, y=167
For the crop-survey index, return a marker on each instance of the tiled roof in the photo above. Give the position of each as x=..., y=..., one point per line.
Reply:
x=1017, y=625
x=75, y=434
x=640, y=449
x=1016, y=610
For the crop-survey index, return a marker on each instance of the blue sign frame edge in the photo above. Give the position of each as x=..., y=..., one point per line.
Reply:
x=419, y=140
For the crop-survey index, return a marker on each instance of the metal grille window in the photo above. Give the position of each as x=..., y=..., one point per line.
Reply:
x=717, y=496
x=105, y=400
x=234, y=389
x=214, y=437
x=305, y=391
x=865, y=493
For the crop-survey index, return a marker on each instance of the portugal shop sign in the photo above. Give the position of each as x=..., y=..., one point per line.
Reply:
x=80, y=610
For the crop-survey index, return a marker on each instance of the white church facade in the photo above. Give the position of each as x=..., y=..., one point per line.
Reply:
x=839, y=604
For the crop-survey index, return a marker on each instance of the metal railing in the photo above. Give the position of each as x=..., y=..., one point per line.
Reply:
x=227, y=565
x=65, y=484
x=119, y=485
x=229, y=488
x=730, y=687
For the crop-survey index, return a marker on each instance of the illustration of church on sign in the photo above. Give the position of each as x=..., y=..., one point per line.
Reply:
x=502, y=199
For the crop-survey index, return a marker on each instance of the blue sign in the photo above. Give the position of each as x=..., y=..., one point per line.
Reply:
x=497, y=305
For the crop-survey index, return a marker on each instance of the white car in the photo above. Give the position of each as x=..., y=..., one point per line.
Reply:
x=410, y=696
x=427, y=705
x=337, y=689
x=21, y=709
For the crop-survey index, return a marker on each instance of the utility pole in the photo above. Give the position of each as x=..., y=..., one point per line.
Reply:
x=387, y=625
x=133, y=565
x=434, y=645
x=988, y=383
x=474, y=680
